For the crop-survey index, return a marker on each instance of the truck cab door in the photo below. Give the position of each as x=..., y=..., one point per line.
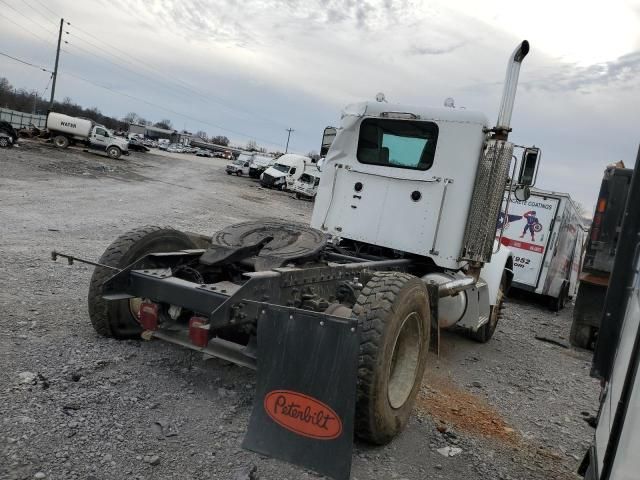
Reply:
x=99, y=138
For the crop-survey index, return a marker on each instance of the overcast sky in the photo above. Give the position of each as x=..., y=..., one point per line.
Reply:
x=250, y=69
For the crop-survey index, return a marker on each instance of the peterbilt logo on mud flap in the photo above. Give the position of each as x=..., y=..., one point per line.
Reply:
x=303, y=415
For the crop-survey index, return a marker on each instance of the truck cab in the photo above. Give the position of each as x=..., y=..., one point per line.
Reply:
x=307, y=185
x=240, y=166
x=398, y=168
x=285, y=171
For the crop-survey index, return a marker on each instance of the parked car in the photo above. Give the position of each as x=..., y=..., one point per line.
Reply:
x=175, y=148
x=8, y=135
x=204, y=153
x=136, y=145
x=163, y=144
x=239, y=167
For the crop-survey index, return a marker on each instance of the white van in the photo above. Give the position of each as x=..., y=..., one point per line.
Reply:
x=307, y=185
x=283, y=174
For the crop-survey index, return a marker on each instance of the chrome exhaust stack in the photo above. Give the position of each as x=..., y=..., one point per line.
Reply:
x=503, y=126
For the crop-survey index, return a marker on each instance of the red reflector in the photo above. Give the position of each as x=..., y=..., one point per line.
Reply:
x=602, y=205
x=149, y=316
x=199, y=331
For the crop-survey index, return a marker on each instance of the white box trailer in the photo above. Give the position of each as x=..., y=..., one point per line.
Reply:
x=546, y=236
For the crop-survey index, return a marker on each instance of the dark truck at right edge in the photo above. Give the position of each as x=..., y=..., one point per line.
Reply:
x=599, y=254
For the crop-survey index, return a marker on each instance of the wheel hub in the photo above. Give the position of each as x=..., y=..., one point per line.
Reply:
x=404, y=361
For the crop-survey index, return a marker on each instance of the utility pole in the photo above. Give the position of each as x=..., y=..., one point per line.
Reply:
x=55, y=70
x=286, y=149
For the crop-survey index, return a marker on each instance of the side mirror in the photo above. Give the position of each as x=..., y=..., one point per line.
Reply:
x=328, y=136
x=529, y=167
x=522, y=194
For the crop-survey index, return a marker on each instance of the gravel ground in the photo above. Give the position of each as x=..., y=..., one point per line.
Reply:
x=77, y=406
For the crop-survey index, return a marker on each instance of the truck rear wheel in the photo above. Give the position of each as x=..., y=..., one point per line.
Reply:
x=557, y=303
x=61, y=141
x=114, y=152
x=118, y=318
x=394, y=320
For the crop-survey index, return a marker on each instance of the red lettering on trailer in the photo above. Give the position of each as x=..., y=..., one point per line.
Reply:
x=522, y=245
x=303, y=415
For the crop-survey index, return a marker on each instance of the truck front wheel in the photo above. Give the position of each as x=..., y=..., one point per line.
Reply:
x=394, y=320
x=118, y=318
x=114, y=152
x=61, y=141
x=485, y=332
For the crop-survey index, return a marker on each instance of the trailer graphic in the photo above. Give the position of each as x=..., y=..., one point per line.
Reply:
x=546, y=236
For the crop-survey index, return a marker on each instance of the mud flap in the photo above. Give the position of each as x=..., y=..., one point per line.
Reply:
x=304, y=404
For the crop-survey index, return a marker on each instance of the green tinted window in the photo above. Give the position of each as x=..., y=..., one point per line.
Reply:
x=397, y=143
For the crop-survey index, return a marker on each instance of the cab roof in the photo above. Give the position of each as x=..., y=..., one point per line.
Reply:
x=377, y=109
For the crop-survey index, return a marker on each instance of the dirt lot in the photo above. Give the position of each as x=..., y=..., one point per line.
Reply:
x=77, y=406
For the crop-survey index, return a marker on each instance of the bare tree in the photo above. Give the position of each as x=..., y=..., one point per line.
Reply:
x=164, y=123
x=220, y=140
x=201, y=134
x=252, y=146
x=131, y=117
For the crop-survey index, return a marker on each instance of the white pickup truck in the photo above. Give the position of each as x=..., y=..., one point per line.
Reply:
x=65, y=129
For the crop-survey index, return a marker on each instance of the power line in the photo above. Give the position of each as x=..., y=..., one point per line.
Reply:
x=176, y=81
x=47, y=8
x=22, y=27
x=26, y=63
x=23, y=15
x=39, y=13
x=188, y=117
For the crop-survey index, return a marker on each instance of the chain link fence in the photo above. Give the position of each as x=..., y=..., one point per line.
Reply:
x=22, y=119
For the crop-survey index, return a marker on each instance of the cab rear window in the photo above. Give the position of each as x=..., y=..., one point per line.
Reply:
x=397, y=143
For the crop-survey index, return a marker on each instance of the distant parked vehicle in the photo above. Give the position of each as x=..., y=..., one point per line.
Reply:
x=287, y=169
x=163, y=144
x=136, y=145
x=65, y=130
x=307, y=185
x=258, y=164
x=175, y=148
x=239, y=167
x=8, y=135
x=546, y=236
x=599, y=256
x=204, y=153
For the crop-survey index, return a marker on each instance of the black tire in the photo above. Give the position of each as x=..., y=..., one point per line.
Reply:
x=581, y=336
x=298, y=196
x=239, y=173
x=485, y=332
x=228, y=172
x=4, y=142
x=114, y=152
x=557, y=303
x=61, y=141
x=114, y=318
x=392, y=310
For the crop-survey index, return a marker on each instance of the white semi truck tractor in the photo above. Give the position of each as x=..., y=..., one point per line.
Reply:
x=337, y=317
x=65, y=130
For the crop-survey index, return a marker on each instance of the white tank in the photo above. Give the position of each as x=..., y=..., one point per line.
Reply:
x=78, y=127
